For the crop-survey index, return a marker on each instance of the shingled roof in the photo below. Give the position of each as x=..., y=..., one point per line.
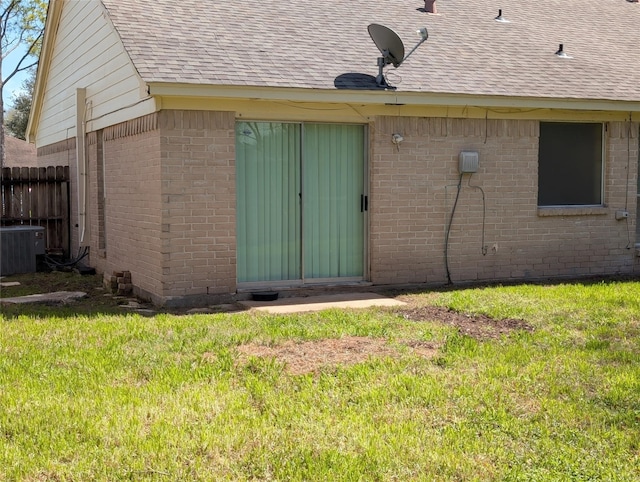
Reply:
x=19, y=153
x=325, y=45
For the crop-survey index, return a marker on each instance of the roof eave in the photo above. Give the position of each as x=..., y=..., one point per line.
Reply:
x=167, y=89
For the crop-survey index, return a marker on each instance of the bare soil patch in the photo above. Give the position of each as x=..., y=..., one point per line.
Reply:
x=311, y=356
x=480, y=327
x=308, y=357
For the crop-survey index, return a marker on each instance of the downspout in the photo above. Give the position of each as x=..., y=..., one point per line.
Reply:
x=81, y=164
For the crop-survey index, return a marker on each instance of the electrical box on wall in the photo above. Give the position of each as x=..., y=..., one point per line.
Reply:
x=468, y=162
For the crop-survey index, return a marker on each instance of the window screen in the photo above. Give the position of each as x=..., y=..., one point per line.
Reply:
x=570, y=164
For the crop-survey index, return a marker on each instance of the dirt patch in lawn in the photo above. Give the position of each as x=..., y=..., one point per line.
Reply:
x=480, y=327
x=308, y=357
x=311, y=356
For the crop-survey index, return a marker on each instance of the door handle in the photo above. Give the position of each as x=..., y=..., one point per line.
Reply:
x=364, y=203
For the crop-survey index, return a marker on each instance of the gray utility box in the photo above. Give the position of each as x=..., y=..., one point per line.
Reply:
x=19, y=246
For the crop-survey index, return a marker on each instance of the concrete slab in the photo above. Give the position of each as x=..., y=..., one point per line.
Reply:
x=56, y=297
x=9, y=284
x=319, y=303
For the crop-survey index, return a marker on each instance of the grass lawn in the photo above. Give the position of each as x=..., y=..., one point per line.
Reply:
x=90, y=392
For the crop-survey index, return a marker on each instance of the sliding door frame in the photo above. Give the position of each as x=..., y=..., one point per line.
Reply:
x=306, y=281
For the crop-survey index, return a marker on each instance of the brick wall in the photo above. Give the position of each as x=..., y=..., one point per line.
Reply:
x=96, y=226
x=165, y=209
x=133, y=205
x=198, y=203
x=413, y=189
x=169, y=215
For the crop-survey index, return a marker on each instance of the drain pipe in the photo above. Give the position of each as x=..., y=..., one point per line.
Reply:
x=81, y=164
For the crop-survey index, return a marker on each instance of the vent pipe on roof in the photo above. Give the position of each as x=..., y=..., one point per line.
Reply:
x=500, y=18
x=561, y=53
x=430, y=6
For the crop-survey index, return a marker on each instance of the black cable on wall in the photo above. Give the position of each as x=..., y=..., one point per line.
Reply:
x=446, y=238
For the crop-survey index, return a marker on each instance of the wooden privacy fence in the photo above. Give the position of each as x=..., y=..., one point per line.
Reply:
x=33, y=196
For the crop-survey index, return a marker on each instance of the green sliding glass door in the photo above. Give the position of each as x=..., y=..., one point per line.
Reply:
x=268, y=202
x=332, y=220
x=301, y=201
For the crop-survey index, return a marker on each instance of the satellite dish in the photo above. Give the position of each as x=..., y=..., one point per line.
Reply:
x=388, y=43
x=392, y=49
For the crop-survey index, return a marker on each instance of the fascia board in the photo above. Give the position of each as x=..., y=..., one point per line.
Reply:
x=387, y=97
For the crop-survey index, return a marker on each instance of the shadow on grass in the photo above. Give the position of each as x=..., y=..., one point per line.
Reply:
x=100, y=302
x=443, y=288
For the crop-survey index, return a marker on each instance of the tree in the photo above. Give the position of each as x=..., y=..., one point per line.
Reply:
x=17, y=117
x=21, y=27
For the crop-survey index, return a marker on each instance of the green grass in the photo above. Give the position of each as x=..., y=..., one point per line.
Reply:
x=104, y=396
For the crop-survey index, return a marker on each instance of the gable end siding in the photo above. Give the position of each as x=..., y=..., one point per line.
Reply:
x=87, y=53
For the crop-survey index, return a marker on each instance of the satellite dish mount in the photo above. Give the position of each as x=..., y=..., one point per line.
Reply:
x=391, y=48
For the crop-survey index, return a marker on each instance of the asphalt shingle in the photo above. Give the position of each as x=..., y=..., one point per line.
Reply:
x=325, y=45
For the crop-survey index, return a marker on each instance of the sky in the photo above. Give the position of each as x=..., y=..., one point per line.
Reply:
x=15, y=84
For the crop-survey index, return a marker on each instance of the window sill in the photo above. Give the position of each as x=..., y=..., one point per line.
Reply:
x=573, y=211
